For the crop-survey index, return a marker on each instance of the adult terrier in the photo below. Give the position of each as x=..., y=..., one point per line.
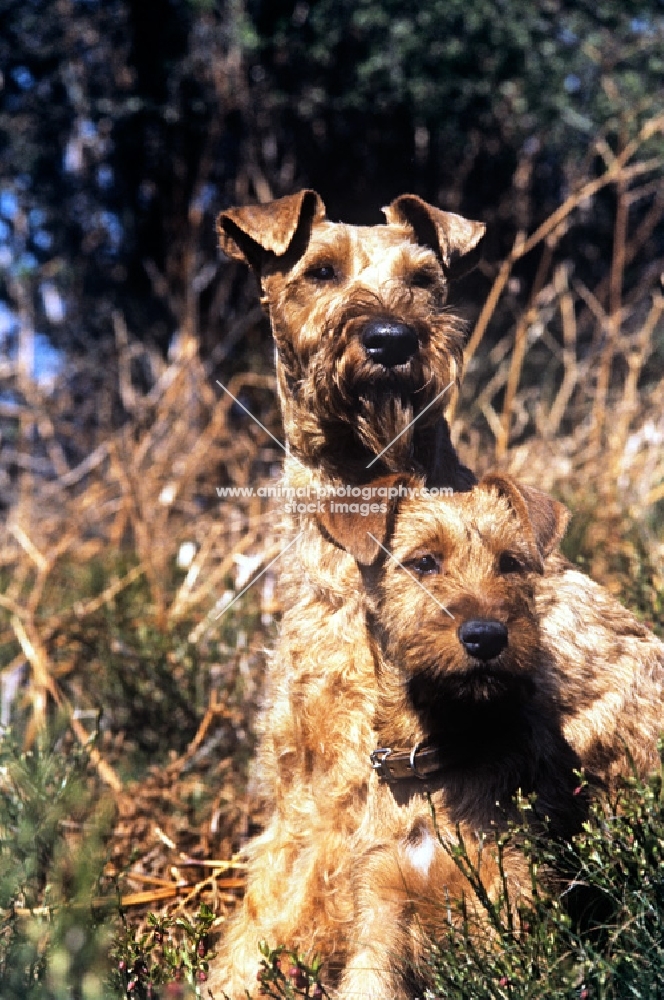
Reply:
x=366, y=350
x=364, y=342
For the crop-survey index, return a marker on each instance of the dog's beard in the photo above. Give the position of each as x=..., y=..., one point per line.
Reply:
x=387, y=424
x=479, y=682
x=382, y=407
x=460, y=701
x=342, y=406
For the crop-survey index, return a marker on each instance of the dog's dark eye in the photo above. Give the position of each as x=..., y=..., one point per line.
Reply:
x=322, y=272
x=424, y=565
x=507, y=563
x=423, y=279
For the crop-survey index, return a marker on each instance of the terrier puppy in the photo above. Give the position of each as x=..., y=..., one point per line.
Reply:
x=479, y=698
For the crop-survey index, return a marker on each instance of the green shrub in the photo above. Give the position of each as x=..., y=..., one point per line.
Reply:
x=54, y=931
x=599, y=935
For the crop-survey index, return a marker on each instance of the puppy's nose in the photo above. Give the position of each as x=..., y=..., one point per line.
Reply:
x=483, y=638
x=389, y=343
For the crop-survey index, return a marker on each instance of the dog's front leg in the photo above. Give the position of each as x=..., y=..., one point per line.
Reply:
x=379, y=949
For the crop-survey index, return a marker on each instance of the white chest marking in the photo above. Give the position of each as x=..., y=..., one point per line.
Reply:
x=421, y=854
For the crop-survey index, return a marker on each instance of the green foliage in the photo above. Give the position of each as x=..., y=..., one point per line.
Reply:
x=617, y=548
x=60, y=933
x=600, y=938
x=512, y=68
x=181, y=108
x=171, y=951
x=53, y=936
x=286, y=975
x=147, y=676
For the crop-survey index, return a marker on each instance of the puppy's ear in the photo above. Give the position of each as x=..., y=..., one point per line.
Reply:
x=363, y=535
x=250, y=232
x=452, y=238
x=544, y=518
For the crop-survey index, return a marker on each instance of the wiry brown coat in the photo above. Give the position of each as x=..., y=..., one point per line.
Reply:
x=327, y=286
x=477, y=661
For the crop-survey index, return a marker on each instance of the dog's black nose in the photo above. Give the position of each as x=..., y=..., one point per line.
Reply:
x=483, y=638
x=389, y=343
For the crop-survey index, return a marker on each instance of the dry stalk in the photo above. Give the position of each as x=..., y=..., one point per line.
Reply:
x=619, y=172
x=636, y=355
x=571, y=370
x=520, y=347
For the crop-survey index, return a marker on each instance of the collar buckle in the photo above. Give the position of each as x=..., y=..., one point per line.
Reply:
x=378, y=762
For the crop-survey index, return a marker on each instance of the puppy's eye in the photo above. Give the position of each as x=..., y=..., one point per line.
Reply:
x=507, y=563
x=423, y=279
x=322, y=272
x=428, y=565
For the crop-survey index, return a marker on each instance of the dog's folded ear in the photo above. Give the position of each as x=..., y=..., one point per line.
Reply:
x=452, y=238
x=363, y=535
x=544, y=518
x=252, y=231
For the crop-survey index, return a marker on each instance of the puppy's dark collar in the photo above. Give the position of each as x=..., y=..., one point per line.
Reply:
x=393, y=764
